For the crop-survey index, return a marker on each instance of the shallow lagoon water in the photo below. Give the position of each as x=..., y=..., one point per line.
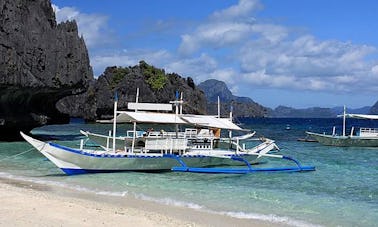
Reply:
x=343, y=191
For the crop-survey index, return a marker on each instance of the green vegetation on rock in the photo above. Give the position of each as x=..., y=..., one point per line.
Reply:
x=156, y=78
x=118, y=75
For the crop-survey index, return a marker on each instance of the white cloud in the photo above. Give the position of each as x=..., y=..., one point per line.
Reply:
x=242, y=9
x=270, y=32
x=214, y=35
x=65, y=13
x=227, y=75
x=223, y=28
x=337, y=84
x=93, y=27
x=198, y=68
x=306, y=63
x=374, y=70
x=270, y=55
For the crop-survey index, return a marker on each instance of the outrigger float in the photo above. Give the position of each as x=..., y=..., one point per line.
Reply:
x=197, y=149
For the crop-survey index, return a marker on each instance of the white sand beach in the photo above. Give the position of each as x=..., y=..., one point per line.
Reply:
x=30, y=204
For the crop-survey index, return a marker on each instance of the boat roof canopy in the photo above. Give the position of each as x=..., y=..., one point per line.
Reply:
x=210, y=121
x=361, y=116
x=148, y=117
x=149, y=106
x=169, y=118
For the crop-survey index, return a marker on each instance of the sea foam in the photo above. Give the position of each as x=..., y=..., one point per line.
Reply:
x=240, y=215
x=63, y=185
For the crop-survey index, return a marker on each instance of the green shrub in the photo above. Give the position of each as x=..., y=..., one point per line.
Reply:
x=118, y=75
x=155, y=77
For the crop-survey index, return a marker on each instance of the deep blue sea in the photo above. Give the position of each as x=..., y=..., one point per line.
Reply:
x=343, y=191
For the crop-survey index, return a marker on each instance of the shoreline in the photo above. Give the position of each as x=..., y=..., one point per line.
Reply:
x=27, y=203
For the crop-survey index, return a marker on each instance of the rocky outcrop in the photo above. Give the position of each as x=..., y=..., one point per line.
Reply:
x=242, y=106
x=374, y=109
x=313, y=112
x=40, y=63
x=155, y=86
x=339, y=110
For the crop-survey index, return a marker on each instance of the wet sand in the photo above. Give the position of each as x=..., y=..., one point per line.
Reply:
x=26, y=203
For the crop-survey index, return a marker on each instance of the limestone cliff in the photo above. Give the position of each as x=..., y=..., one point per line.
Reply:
x=154, y=84
x=40, y=62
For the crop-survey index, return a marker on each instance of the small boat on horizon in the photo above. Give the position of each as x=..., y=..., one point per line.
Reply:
x=364, y=137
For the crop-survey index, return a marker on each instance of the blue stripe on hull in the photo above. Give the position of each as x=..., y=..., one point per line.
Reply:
x=69, y=171
x=73, y=171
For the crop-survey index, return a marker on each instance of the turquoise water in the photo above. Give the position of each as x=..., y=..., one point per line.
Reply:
x=343, y=191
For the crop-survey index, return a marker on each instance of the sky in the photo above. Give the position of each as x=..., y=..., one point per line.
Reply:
x=288, y=52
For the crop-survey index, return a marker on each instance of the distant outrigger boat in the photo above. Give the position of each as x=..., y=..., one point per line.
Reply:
x=365, y=137
x=189, y=151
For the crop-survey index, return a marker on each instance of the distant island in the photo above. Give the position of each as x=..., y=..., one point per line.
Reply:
x=374, y=109
x=246, y=107
x=313, y=112
x=241, y=106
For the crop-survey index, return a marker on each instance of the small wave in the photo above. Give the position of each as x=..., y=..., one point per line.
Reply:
x=169, y=201
x=63, y=185
x=240, y=215
x=116, y=194
x=270, y=218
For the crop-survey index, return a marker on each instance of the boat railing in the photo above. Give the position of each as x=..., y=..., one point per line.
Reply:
x=138, y=134
x=190, y=133
x=164, y=134
x=368, y=131
x=242, y=147
x=169, y=144
x=154, y=134
x=202, y=146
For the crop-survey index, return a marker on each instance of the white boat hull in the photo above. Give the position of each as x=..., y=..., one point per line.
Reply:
x=345, y=141
x=75, y=161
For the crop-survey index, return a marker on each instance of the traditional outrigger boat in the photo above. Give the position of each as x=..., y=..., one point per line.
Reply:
x=365, y=137
x=196, y=149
